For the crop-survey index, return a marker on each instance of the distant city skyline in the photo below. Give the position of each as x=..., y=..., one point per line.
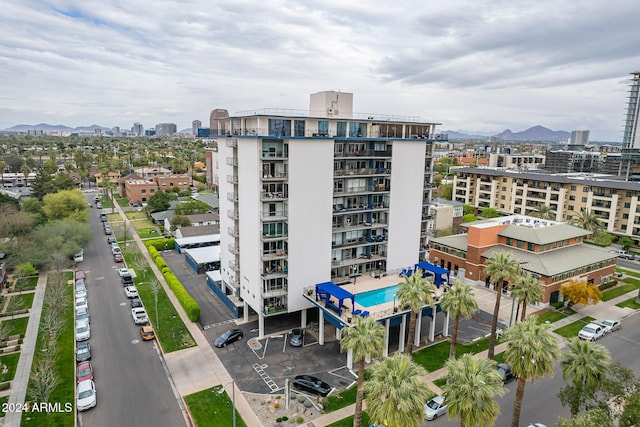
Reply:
x=475, y=66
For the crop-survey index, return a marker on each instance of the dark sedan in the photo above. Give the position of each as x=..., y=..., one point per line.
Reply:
x=505, y=371
x=135, y=302
x=83, y=352
x=228, y=337
x=311, y=384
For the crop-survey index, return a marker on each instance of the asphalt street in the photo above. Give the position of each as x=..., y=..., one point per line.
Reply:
x=131, y=382
x=541, y=403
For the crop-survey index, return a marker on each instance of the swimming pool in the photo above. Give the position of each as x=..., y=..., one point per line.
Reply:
x=377, y=296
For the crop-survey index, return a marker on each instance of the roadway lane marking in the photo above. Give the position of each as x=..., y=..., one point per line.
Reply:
x=213, y=325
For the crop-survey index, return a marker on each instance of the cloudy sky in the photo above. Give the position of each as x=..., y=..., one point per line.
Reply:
x=472, y=65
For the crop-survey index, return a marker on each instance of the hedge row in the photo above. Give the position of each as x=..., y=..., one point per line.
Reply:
x=187, y=302
x=161, y=244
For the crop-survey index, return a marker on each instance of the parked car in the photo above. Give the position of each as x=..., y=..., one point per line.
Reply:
x=135, y=302
x=99, y=205
x=228, y=337
x=80, y=275
x=623, y=254
x=115, y=249
x=82, y=303
x=111, y=240
x=146, y=332
x=139, y=316
x=83, y=351
x=103, y=217
x=126, y=280
x=82, y=314
x=83, y=331
x=108, y=231
x=79, y=257
x=86, y=395
x=80, y=284
x=84, y=371
x=297, y=338
x=118, y=258
x=81, y=292
x=505, y=371
x=610, y=325
x=591, y=332
x=435, y=407
x=311, y=384
x=123, y=272
x=131, y=291
x=96, y=199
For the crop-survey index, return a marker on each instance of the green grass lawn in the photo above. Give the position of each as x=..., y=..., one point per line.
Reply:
x=27, y=299
x=148, y=233
x=210, y=409
x=28, y=282
x=65, y=368
x=628, y=272
x=123, y=203
x=551, y=316
x=434, y=357
x=340, y=400
x=135, y=215
x=3, y=401
x=631, y=303
x=143, y=223
x=631, y=284
x=19, y=325
x=11, y=361
x=348, y=422
x=170, y=330
x=571, y=330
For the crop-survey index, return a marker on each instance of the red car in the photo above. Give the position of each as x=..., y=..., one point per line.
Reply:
x=84, y=371
x=118, y=257
x=80, y=275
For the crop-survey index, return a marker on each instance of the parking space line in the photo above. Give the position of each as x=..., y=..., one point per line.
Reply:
x=213, y=325
x=265, y=377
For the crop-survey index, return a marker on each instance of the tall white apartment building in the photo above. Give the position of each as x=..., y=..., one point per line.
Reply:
x=308, y=197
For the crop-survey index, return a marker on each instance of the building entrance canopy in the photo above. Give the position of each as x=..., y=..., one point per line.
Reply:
x=327, y=290
x=437, y=272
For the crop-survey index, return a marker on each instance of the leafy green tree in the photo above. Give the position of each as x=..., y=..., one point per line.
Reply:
x=365, y=340
x=446, y=191
x=596, y=417
x=581, y=292
x=66, y=236
x=63, y=181
x=586, y=220
x=602, y=238
x=500, y=268
x=490, y=213
x=396, y=393
x=13, y=223
x=458, y=300
x=33, y=207
x=630, y=416
x=191, y=207
x=469, y=218
x=626, y=242
x=583, y=369
x=160, y=201
x=66, y=204
x=179, y=221
x=471, y=388
x=531, y=352
x=14, y=162
x=416, y=292
x=42, y=184
x=468, y=210
x=527, y=290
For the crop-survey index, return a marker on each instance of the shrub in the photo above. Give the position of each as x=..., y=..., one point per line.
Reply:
x=187, y=302
x=300, y=420
x=558, y=305
x=608, y=285
x=161, y=244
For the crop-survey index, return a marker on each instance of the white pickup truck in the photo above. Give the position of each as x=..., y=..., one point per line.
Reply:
x=623, y=254
x=139, y=316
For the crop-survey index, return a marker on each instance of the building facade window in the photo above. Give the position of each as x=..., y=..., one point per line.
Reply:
x=298, y=127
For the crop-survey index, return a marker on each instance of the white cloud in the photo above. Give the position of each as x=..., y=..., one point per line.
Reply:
x=482, y=65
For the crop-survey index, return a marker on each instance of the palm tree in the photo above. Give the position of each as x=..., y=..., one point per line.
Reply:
x=364, y=340
x=416, y=292
x=583, y=368
x=470, y=391
x=527, y=290
x=544, y=212
x=396, y=393
x=531, y=353
x=458, y=300
x=586, y=220
x=499, y=268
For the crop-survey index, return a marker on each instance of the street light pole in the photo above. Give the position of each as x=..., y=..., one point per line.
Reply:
x=233, y=398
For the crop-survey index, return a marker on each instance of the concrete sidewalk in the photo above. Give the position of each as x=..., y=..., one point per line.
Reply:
x=23, y=369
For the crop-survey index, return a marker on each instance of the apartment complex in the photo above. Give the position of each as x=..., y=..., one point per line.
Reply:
x=551, y=251
x=631, y=136
x=137, y=189
x=615, y=202
x=166, y=129
x=325, y=194
x=564, y=161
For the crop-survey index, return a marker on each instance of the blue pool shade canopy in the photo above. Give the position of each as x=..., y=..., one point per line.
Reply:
x=436, y=271
x=327, y=290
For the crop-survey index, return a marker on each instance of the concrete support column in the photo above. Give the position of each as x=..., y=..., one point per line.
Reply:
x=246, y=312
x=303, y=318
x=416, y=337
x=321, y=327
x=260, y=326
x=445, y=329
x=350, y=360
x=403, y=327
x=385, y=350
x=432, y=329
x=338, y=334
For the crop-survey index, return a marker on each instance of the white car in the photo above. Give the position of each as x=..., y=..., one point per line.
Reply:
x=115, y=250
x=434, y=408
x=123, y=272
x=86, y=397
x=82, y=314
x=131, y=291
x=610, y=325
x=591, y=332
x=81, y=292
x=83, y=330
x=82, y=303
x=81, y=285
x=139, y=316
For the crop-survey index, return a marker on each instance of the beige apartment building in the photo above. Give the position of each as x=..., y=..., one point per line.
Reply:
x=615, y=202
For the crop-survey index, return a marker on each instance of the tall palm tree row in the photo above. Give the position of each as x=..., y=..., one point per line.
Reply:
x=396, y=393
x=531, y=352
x=584, y=366
x=458, y=300
x=416, y=291
x=527, y=290
x=471, y=388
x=365, y=340
x=500, y=267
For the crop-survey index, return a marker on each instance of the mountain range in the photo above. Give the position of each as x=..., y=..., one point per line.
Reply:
x=535, y=133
